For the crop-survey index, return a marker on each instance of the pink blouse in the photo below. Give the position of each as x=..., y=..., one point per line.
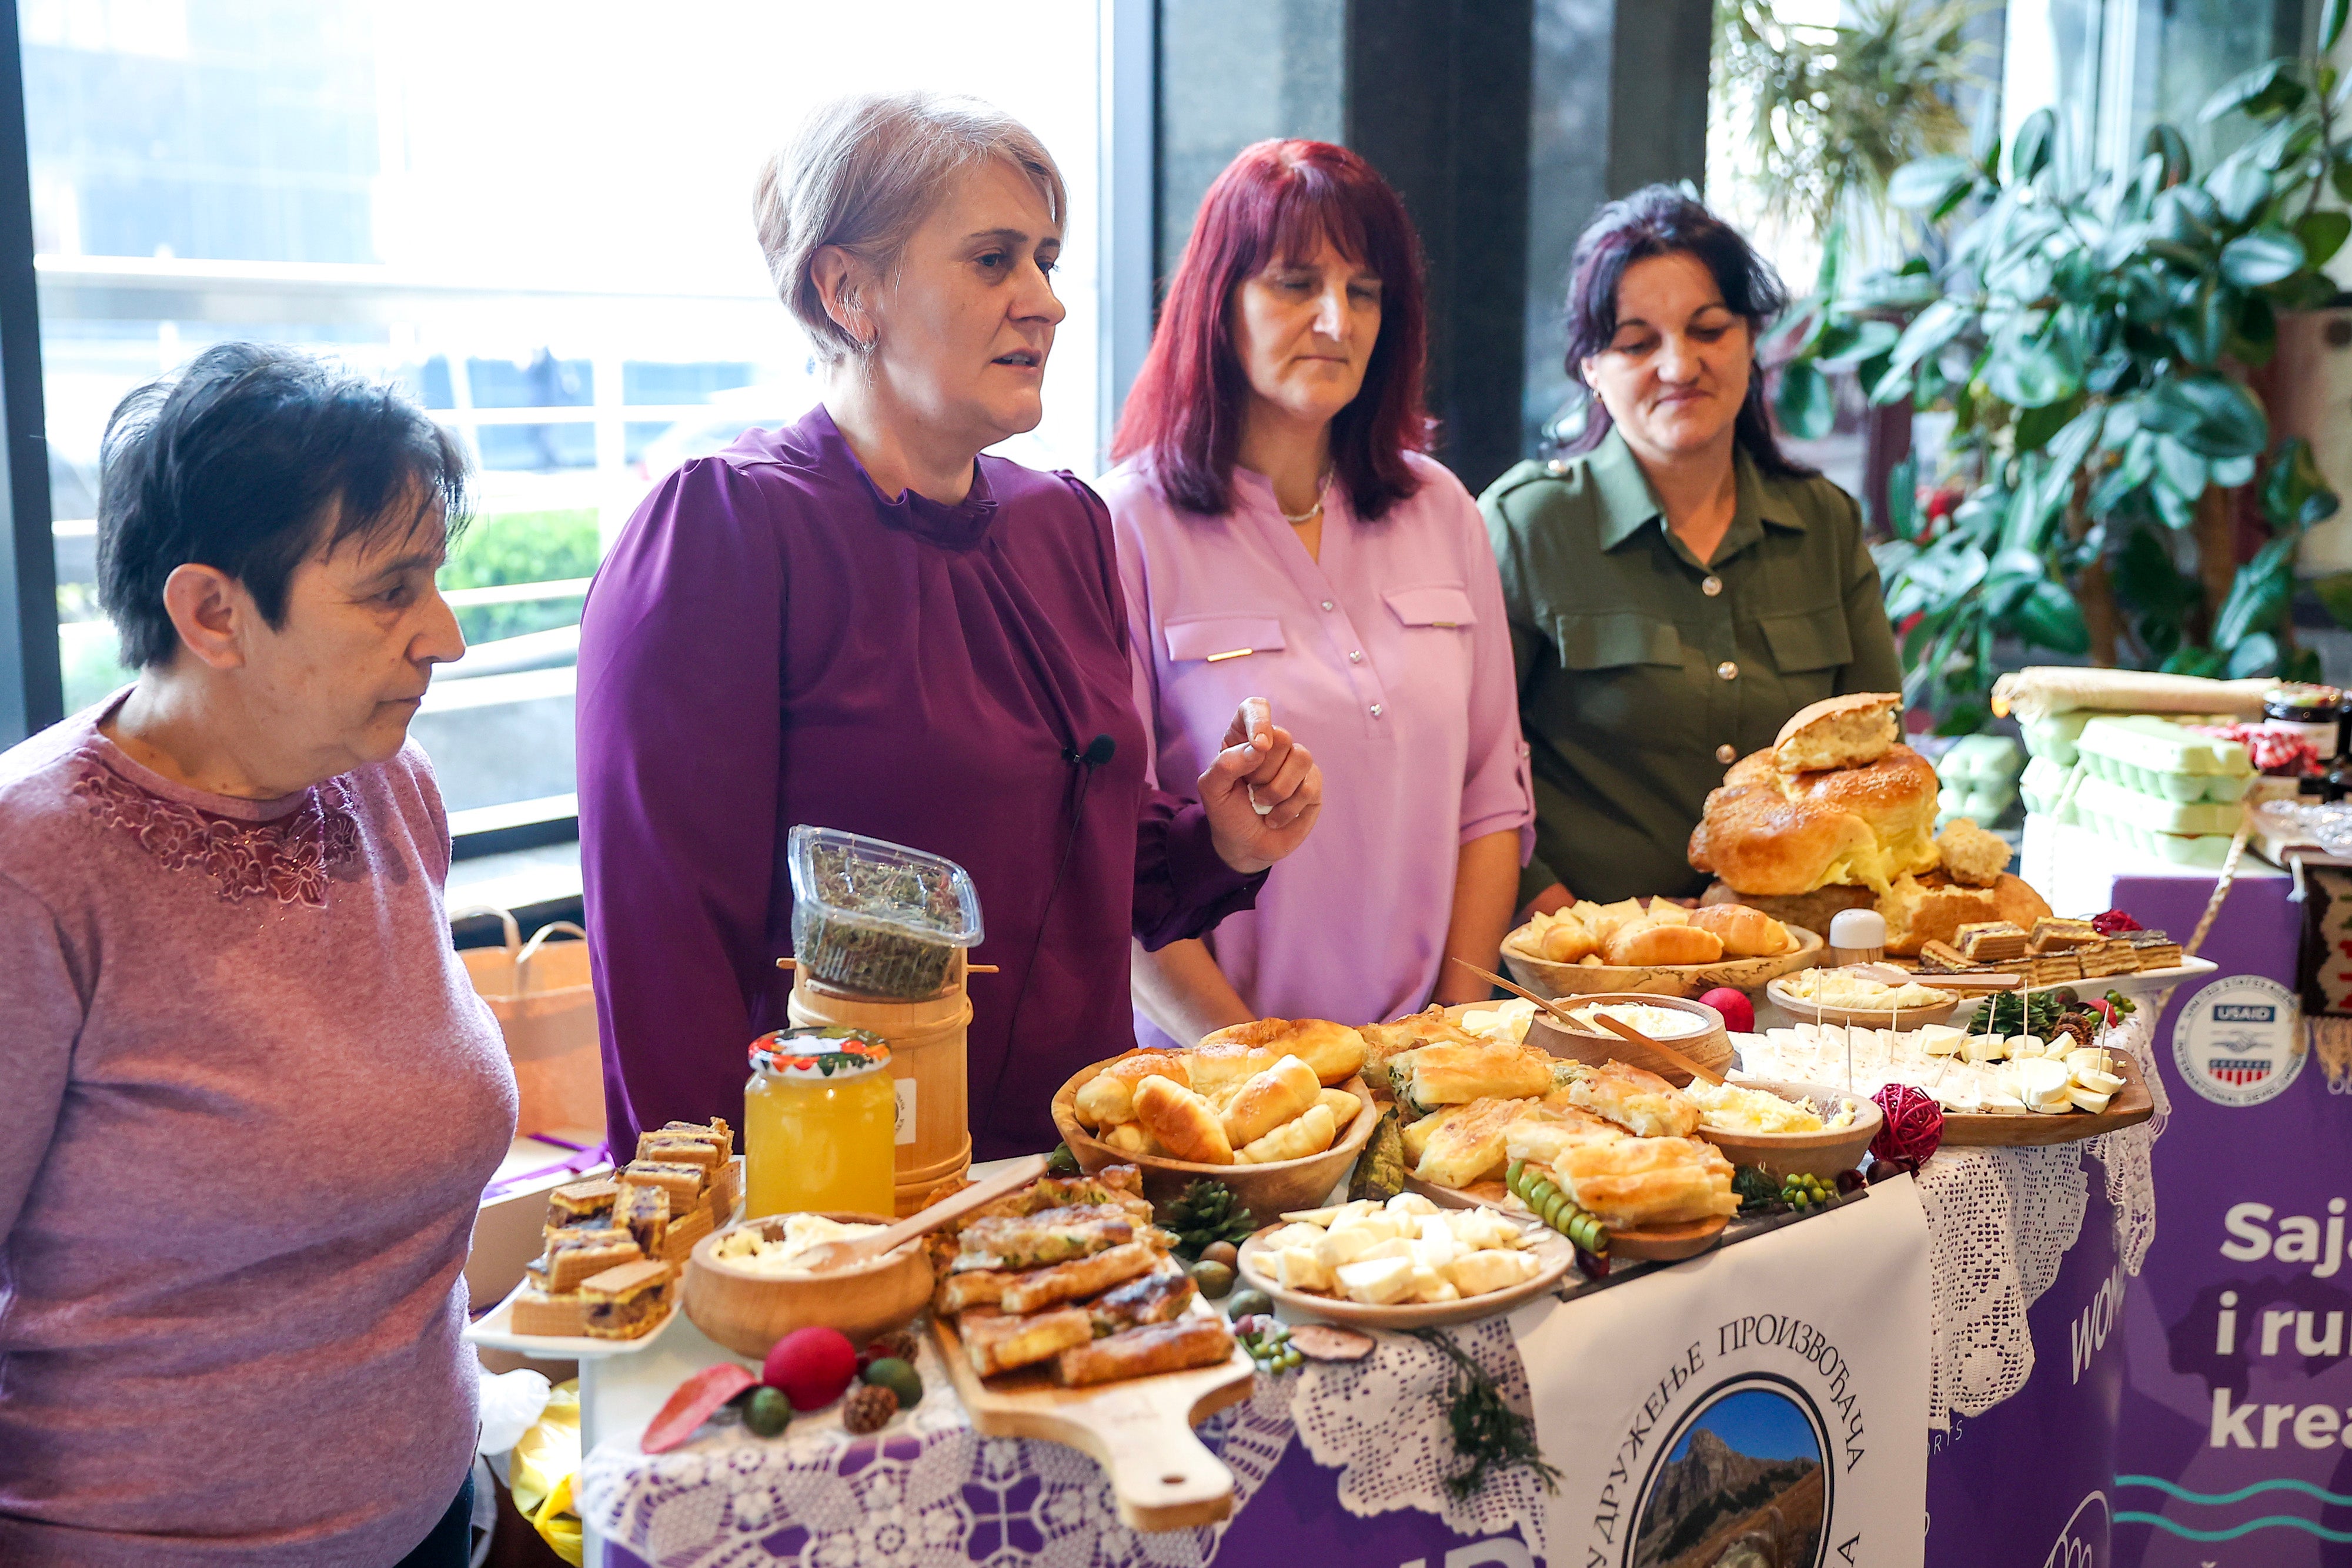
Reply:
x=1389, y=660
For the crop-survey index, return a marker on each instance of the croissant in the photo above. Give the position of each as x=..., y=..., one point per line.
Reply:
x=1108, y=1098
x=1311, y=1133
x=1269, y=1100
x=1342, y=1105
x=1182, y=1121
x=1333, y=1051
x=1129, y=1138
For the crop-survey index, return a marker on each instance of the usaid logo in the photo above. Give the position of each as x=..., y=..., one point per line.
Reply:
x=2234, y=1042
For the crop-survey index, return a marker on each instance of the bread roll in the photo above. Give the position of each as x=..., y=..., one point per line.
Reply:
x=1343, y=1105
x=1333, y=1051
x=1813, y=910
x=1851, y=731
x=1747, y=933
x=1269, y=1100
x=1129, y=1138
x=2016, y=901
x=1311, y=1133
x=1108, y=1098
x=1215, y=1064
x=1650, y=946
x=1182, y=1121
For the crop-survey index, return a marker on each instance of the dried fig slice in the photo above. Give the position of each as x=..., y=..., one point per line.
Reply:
x=1323, y=1341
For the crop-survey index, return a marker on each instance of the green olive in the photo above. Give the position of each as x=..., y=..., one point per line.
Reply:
x=1213, y=1278
x=1223, y=1252
x=769, y=1412
x=1242, y=1303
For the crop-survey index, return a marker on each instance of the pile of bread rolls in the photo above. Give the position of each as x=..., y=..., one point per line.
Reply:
x=1631, y=935
x=1839, y=814
x=1252, y=1094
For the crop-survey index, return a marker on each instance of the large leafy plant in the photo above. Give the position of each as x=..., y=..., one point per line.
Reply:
x=2088, y=329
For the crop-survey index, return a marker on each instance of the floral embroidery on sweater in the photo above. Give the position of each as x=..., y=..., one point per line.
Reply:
x=287, y=859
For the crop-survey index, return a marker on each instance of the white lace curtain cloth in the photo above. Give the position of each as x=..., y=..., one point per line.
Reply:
x=932, y=1493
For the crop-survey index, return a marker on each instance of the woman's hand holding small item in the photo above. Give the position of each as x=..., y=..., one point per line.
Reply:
x=1262, y=792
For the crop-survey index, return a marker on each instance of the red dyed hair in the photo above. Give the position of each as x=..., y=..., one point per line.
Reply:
x=1277, y=201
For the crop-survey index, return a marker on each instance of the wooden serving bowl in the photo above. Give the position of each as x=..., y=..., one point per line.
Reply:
x=1710, y=1046
x=1546, y=978
x=1265, y=1190
x=1803, y=1011
x=749, y=1312
x=1784, y=1155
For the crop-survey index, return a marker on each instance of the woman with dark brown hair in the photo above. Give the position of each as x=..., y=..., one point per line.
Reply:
x=1677, y=587
x=1281, y=531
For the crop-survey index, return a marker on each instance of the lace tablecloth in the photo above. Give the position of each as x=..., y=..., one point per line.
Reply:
x=930, y=1492
x=1999, y=1221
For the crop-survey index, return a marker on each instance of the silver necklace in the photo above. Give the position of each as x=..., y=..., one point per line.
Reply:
x=1300, y=519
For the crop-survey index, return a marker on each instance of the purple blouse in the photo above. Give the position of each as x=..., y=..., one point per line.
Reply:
x=1389, y=657
x=773, y=641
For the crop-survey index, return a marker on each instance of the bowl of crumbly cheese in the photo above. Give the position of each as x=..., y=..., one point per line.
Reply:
x=1841, y=995
x=1786, y=1128
x=746, y=1288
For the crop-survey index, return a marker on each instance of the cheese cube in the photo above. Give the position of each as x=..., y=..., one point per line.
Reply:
x=1299, y=1268
x=1438, y=1296
x=1343, y=1244
x=2086, y=1099
x=1483, y=1227
x=2097, y=1082
x=1411, y=1202
x=1428, y=1281
x=1984, y=1048
x=1436, y=1251
x=1395, y=1246
x=1305, y=1235
x=2024, y=1047
x=2088, y=1059
x=1380, y=1282
x=1477, y=1273
x=1941, y=1039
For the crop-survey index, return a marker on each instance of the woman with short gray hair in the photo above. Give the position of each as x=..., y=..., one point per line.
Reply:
x=860, y=622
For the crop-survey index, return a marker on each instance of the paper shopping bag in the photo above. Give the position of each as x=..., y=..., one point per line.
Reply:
x=540, y=994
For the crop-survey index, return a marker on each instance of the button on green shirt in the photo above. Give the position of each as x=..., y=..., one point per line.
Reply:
x=1643, y=671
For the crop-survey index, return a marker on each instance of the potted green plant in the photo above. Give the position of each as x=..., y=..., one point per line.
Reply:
x=2089, y=330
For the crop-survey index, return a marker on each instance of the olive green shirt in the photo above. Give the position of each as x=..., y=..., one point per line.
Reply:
x=1644, y=672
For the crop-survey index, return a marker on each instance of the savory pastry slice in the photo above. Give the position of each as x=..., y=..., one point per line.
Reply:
x=1638, y=1100
x=1455, y=1074
x=1048, y=1236
x=972, y=1287
x=1078, y=1278
x=1469, y=1147
x=1630, y=1183
x=1156, y=1297
x=628, y=1301
x=1181, y=1121
x=1173, y=1346
x=995, y=1342
x=1540, y=1135
x=1120, y=1186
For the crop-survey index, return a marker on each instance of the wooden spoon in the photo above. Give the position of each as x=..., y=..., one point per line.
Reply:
x=1627, y=1031
x=860, y=1249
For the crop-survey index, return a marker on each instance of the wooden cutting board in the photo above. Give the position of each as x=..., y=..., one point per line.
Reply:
x=1139, y=1431
x=2130, y=1107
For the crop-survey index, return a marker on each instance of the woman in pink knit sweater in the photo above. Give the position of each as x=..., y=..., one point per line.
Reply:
x=247, y=1099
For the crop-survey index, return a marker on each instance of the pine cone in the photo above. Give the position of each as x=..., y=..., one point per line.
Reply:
x=897, y=1344
x=868, y=1409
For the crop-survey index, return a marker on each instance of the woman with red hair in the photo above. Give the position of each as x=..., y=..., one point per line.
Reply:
x=1280, y=531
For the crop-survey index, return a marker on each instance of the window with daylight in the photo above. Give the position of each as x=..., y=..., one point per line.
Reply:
x=537, y=220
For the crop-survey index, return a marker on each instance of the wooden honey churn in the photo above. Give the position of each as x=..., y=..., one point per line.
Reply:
x=926, y=1063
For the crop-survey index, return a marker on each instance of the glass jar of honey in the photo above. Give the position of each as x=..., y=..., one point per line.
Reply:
x=819, y=1117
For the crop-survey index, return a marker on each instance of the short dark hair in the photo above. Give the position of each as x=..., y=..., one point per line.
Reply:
x=236, y=462
x=1664, y=220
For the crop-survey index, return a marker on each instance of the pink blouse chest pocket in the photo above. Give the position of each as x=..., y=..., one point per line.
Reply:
x=1441, y=605
x=1219, y=639
x=1434, y=637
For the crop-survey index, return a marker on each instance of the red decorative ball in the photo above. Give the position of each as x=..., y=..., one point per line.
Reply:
x=1739, y=1012
x=811, y=1367
x=1914, y=1124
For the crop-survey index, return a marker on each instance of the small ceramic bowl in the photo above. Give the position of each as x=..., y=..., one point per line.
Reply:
x=1823, y=1153
x=748, y=1312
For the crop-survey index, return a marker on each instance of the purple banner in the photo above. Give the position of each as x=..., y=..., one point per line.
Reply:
x=2235, y=1443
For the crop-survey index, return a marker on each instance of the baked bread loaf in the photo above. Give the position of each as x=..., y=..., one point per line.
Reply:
x=1746, y=933
x=1813, y=910
x=1895, y=795
x=1851, y=731
x=1652, y=946
x=1181, y=1122
x=1972, y=855
x=1333, y=1051
x=1933, y=908
x=1269, y=1100
x=1760, y=841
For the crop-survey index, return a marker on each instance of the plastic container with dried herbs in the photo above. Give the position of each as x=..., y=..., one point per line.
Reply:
x=878, y=919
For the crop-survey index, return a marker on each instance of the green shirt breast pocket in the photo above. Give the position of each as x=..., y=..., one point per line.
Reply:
x=1809, y=648
x=1622, y=673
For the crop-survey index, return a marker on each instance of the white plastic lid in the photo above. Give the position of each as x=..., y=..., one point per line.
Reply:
x=1858, y=928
